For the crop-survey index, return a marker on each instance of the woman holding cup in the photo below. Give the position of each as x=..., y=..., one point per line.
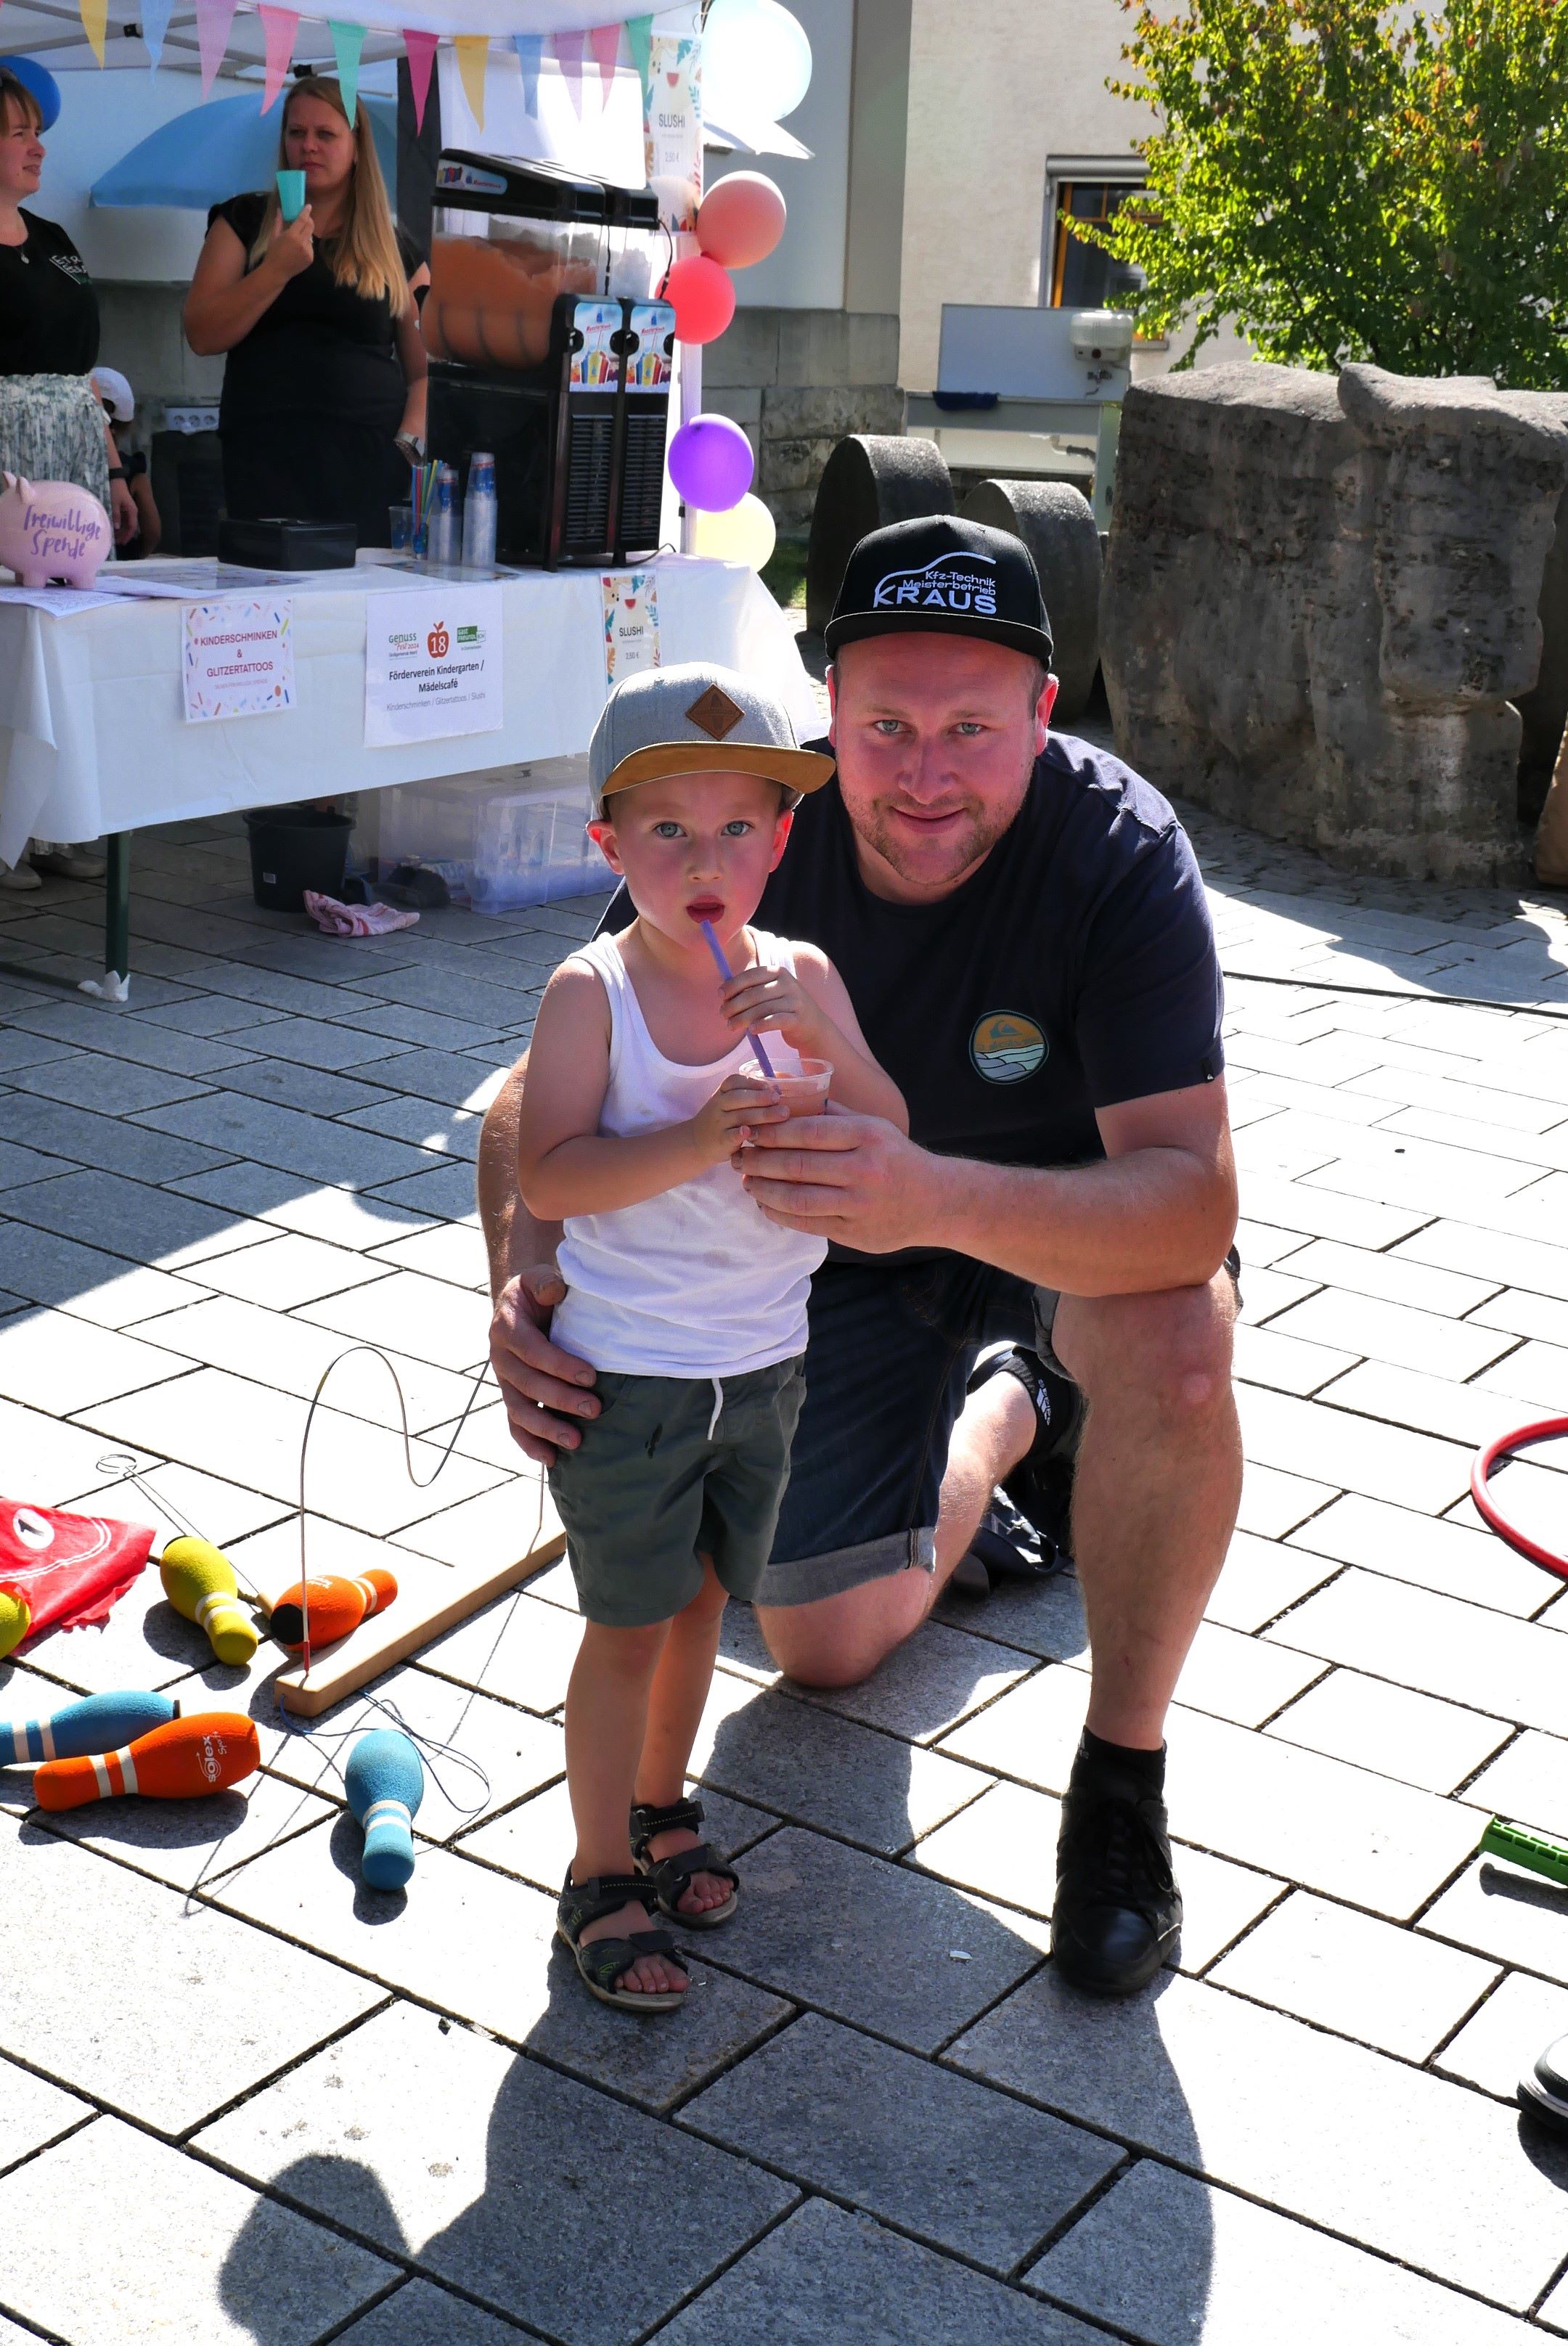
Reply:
x=309, y=288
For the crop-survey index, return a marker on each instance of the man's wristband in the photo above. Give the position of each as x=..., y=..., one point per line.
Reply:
x=116, y=472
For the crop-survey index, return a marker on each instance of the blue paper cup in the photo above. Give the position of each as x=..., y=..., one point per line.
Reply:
x=290, y=194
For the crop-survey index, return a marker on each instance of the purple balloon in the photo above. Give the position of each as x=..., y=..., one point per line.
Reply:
x=711, y=463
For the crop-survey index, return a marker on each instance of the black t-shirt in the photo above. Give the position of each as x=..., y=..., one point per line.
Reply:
x=321, y=347
x=1075, y=969
x=48, y=311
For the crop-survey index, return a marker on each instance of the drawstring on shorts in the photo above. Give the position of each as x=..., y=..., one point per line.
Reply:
x=718, y=1407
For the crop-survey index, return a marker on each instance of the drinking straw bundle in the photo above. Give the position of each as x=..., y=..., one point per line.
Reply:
x=423, y=496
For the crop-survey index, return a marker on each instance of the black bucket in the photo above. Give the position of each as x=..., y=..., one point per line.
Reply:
x=293, y=848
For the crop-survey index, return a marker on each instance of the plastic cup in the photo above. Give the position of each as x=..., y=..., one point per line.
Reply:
x=401, y=521
x=290, y=194
x=803, y=1093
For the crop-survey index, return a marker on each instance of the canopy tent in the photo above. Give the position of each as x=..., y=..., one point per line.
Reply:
x=202, y=157
x=53, y=31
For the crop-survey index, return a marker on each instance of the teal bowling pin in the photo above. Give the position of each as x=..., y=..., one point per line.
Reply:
x=99, y=1722
x=384, y=1780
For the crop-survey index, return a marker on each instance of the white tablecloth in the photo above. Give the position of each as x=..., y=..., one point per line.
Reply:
x=93, y=737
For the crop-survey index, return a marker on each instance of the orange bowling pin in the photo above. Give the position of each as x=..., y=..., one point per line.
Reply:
x=176, y=1762
x=337, y=1605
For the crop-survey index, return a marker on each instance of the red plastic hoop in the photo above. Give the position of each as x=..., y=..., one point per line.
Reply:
x=1486, y=1505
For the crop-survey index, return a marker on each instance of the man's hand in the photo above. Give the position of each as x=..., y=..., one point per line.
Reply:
x=542, y=1386
x=853, y=1178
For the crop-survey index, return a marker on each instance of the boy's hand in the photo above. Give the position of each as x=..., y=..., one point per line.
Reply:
x=777, y=1002
x=726, y=1124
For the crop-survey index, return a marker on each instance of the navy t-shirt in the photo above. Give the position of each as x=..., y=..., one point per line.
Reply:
x=1075, y=969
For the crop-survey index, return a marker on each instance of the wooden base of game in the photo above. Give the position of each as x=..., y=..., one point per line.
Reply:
x=431, y=1597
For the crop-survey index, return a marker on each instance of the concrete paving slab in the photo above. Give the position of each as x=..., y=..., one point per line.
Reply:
x=537, y=1838
x=1363, y=1979
x=1261, y=1578
x=1464, y=1653
x=1500, y=2043
x=32, y=2112
x=1371, y=1724
x=1446, y=1555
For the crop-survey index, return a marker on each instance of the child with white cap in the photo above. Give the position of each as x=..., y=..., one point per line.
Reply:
x=687, y=1300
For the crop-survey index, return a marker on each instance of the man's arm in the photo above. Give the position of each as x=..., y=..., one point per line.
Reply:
x=1159, y=1212
x=542, y=1386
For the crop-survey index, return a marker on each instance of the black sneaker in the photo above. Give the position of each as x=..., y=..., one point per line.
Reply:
x=1118, y=1910
x=1026, y=1534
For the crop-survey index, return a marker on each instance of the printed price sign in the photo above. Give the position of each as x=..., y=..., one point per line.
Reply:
x=238, y=659
x=432, y=665
x=631, y=622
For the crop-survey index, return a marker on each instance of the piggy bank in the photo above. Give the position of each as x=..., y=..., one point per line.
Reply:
x=52, y=529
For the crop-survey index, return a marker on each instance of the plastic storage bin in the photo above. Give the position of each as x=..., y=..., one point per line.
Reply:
x=532, y=845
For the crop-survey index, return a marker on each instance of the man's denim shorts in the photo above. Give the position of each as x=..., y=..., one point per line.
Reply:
x=891, y=1353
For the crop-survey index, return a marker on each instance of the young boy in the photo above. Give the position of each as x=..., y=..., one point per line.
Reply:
x=684, y=1298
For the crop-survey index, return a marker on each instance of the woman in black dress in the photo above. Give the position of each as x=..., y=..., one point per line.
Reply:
x=323, y=395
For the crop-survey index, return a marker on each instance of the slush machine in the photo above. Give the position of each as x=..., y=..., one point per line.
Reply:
x=548, y=347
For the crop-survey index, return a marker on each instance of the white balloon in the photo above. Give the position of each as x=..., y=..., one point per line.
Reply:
x=756, y=59
x=742, y=533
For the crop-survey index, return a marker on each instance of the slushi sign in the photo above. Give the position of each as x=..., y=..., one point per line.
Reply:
x=432, y=665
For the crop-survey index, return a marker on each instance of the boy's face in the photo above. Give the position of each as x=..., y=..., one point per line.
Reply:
x=695, y=847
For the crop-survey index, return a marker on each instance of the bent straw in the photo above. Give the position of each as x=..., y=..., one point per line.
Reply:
x=716, y=950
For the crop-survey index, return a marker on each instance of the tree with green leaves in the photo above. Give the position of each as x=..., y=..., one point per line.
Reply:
x=1344, y=179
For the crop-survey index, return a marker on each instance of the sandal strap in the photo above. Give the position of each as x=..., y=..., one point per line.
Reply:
x=581, y=1903
x=603, y=1960
x=680, y=1816
x=670, y=1876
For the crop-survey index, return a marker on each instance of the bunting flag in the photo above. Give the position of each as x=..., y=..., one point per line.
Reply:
x=568, y=48
x=94, y=16
x=530, y=48
x=154, y=16
x=473, y=63
x=639, y=35
x=420, y=50
x=348, y=40
x=213, y=19
x=605, y=41
x=279, y=26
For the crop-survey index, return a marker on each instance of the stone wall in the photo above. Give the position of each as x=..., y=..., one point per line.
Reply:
x=798, y=381
x=1321, y=605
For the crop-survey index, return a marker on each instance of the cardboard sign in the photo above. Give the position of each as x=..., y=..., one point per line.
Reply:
x=238, y=659
x=432, y=665
x=631, y=622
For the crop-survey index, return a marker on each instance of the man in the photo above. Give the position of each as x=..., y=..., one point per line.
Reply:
x=1022, y=928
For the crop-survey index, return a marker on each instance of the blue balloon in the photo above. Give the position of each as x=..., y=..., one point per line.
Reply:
x=41, y=82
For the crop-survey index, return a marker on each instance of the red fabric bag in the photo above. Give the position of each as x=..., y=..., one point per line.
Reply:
x=69, y=1569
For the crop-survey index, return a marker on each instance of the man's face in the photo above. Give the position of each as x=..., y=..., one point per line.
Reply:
x=936, y=737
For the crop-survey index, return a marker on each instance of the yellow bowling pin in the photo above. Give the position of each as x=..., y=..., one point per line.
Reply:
x=200, y=1582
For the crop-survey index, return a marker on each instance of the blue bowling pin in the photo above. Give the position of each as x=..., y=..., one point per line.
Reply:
x=384, y=1780
x=99, y=1722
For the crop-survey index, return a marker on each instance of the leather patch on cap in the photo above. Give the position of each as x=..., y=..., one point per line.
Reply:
x=715, y=714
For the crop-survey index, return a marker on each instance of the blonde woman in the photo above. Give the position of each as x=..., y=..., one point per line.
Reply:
x=323, y=395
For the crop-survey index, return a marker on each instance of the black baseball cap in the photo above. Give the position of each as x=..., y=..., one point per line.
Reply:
x=942, y=575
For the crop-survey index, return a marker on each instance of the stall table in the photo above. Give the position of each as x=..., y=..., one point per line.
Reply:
x=93, y=739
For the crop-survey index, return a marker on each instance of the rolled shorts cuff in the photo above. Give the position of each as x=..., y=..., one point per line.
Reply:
x=803, y=1579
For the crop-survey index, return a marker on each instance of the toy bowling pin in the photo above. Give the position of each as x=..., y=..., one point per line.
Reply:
x=384, y=1780
x=176, y=1762
x=15, y=1620
x=336, y=1606
x=200, y=1582
x=100, y=1722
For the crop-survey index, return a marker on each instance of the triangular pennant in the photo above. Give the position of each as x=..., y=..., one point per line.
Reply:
x=213, y=19
x=530, y=48
x=95, y=14
x=639, y=37
x=568, y=48
x=605, y=41
x=348, y=40
x=420, y=50
x=473, y=63
x=279, y=26
x=154, y=16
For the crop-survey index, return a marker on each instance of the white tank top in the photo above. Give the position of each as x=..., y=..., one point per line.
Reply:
x=696, y=1282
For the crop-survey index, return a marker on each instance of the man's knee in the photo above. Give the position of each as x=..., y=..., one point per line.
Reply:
x=838, y=1641
x=1170, y=1353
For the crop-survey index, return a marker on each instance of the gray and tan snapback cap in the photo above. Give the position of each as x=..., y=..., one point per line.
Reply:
x=697, y=718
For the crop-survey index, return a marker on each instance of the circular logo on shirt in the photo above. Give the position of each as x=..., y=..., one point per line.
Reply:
x=1005, y=1046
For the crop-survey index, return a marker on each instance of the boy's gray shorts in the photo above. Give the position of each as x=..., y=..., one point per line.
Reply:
x=673, y=1467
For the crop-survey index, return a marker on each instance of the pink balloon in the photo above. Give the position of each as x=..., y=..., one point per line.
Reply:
x=741, y=220
x=711, y=463
x=703, y=296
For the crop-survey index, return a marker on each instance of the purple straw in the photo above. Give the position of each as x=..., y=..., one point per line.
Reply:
x=716, y=950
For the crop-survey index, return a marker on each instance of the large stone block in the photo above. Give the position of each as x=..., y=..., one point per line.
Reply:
x=1322, y=605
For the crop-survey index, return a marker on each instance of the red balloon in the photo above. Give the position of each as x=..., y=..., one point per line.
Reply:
x=703, y=296
x=741, y=220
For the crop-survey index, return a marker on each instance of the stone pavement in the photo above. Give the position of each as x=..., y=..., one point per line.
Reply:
x=242, y=2098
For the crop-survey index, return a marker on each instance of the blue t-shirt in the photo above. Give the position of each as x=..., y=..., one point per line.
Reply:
x=1075, y=969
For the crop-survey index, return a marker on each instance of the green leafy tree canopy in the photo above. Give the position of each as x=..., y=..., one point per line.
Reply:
x=1342, y=179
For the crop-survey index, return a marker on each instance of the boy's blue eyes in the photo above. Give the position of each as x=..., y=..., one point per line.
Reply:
x=736, y=829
